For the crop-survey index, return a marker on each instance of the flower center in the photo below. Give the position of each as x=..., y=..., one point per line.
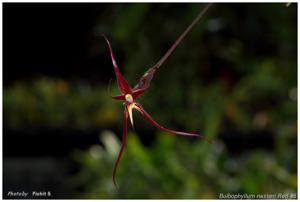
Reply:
x=128, y=98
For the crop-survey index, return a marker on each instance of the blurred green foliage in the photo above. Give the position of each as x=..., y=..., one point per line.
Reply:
x=177, y=169
x=56, y=103
x=236, y=71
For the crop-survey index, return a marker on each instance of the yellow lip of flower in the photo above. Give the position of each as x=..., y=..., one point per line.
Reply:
x=129, y=108
x=129, y=98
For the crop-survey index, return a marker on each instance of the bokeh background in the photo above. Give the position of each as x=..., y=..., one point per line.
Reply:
x=233, y=78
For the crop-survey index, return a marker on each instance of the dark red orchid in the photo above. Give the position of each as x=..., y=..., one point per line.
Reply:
x=130, y=95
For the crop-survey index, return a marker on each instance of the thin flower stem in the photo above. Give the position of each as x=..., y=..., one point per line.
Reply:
x=181, y=37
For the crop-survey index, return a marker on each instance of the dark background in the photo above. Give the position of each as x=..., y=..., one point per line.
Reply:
x=233, y=77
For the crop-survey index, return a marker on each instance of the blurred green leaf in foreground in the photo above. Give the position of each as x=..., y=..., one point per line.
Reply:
x=175, y=168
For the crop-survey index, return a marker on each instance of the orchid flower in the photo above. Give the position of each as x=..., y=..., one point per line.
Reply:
x=129, y=95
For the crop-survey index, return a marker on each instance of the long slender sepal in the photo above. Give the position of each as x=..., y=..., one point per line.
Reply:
x=122, y=83
x=153, y=122
x=125, y=120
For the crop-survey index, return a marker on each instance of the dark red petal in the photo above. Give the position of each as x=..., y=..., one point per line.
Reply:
x=153, y=122
x=138, y=92
x=118, y=97
x=125, y=119
x=122, y=83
